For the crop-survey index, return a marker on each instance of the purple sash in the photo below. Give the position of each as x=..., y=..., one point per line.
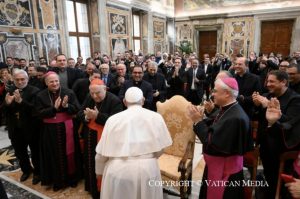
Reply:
x=67, y=119
x=297, y=164
x=219, y=169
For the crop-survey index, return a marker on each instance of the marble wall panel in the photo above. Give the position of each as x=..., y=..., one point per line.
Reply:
x=159, y=34
x=119, y=27
x=118, y=45
x=18, y=46
x=16, y=13
x=238, y=36
x=51, y=44
x=47, y=14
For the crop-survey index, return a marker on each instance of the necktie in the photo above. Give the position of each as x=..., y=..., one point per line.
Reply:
x=193, y=81
x=105, y=80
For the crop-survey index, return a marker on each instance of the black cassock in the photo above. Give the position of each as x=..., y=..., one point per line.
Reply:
x=225, y=136
x=110, y=105
x=23, y=129
x=283, y=136
x=57, y=167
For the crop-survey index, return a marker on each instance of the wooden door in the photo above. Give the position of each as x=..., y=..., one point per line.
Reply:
x=207, y=43
x=276, y=36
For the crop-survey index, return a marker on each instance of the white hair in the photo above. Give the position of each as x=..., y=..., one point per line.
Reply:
x=152, y=63
x=20, y=71
x=233, y=92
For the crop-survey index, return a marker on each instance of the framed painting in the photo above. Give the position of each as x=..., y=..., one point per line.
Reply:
x=118, y=45
x=118, y=24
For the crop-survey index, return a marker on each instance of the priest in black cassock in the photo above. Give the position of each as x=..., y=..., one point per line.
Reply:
x=280, y=132
x=22, y=128
x=98, y=106
x=59, y=144
x=225, y=138
x=137, y=81
x=158, y=82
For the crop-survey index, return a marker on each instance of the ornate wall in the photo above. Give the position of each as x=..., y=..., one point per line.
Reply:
x=119, y=30
x=184, y=33
x=238, y=36
x=159, y=34
x=30, y=29
x=188, y=8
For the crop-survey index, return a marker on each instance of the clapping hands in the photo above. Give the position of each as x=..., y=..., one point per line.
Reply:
x=63, y=102
x=196, y=113
x=273, y=112
x=91, y=114
x=259, y=100
x=16, y=96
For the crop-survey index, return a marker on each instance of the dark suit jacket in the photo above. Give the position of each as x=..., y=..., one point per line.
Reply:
x=208, y=74
x=113, y=86
x=284, y=134
x=247, y=85
x=20, y=116
x=34, y=81
x=109, y=79
x=176, y=83
x=158, y=82
x=73, y=75
x=144, y=86
x=81, y=89
x=199, y=85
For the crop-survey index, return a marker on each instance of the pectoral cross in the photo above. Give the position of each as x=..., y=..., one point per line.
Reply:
x=18, y=115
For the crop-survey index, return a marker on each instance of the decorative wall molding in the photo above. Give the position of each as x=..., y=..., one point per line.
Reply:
x=47, y=14
x=119, y=29
x=51, y=44
x=238, y=36
x=16, y=13
x=22, y=46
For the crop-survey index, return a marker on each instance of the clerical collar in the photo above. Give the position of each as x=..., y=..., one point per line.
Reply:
x=55, y=92
x=227, y=106
x=137, y=83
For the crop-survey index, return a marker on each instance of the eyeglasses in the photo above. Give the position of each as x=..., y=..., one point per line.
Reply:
x=137, y=72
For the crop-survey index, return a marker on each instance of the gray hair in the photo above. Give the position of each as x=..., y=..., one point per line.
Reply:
x=234, y=93
x=152, y=63
x=20, y=71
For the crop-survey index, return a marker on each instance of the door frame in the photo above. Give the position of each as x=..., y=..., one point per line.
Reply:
x=199, y=28
x=258, y=19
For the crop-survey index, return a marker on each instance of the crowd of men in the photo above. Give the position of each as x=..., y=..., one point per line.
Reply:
x=60, y=109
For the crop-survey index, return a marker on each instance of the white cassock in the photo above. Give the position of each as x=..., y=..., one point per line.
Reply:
x=127, y=154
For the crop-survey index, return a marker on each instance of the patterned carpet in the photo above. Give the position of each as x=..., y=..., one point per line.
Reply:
x=10, y=175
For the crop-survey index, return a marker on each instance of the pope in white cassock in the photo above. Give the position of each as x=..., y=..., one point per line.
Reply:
x=127, y=153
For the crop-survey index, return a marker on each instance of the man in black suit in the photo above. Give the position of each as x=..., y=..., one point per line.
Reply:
x=22, y=131
x=208, y=69
x=248, y=84
x=81, y=86
x=294, y=77
x=195, y=78
x=175, y=79
x=105, y=74
x=118, y=80
x=158, y=82
x=67, y=75
x=278, y=129
x=137, y=81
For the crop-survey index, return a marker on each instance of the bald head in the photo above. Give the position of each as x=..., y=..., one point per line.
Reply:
x=52, y=82
x=121, y=70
